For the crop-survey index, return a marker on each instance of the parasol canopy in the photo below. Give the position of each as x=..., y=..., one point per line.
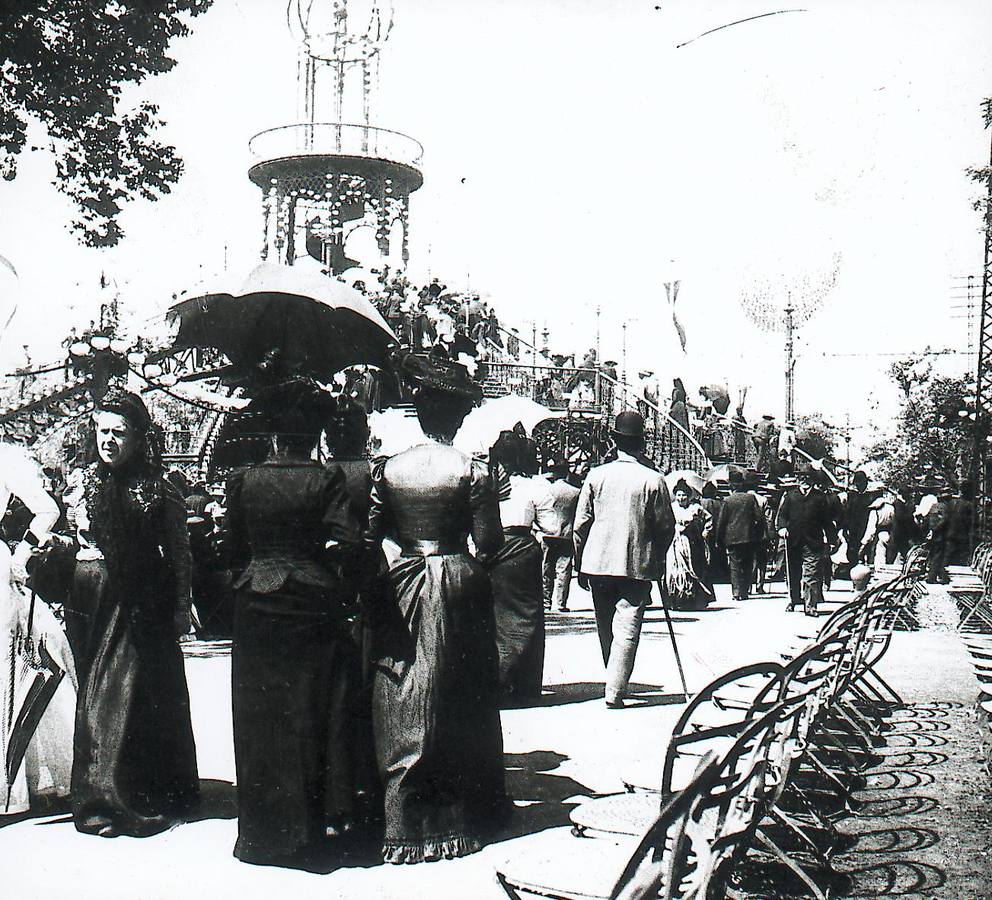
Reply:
x=688, y=476
x=395, y=430
x=482, y=426
x=292, y=318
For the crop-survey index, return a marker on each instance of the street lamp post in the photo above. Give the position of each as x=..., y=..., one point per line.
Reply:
x=790, y=364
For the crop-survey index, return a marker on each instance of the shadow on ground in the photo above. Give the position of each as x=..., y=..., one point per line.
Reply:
x=638, y=695
x=541, y=798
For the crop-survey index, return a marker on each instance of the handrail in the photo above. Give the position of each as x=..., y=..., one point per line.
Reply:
x=413, y=155
x=614, y=384
x=652, y=405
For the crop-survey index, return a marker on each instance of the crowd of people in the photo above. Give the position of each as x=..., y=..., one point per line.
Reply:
x=457, y=326
x=381, y=613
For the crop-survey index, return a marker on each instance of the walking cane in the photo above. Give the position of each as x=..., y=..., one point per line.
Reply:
x=671, y=634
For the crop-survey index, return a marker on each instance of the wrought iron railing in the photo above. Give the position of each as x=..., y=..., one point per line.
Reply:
x=593, y=393
x=336, y=139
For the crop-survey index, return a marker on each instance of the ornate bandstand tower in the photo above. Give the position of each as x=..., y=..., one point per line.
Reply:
x=335, y=188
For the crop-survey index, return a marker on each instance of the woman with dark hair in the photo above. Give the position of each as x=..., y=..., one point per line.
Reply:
x=292, y=651
x=678, y=409
x=685, y=575
x=134, y=767
x=439, y=742
x=515, y=571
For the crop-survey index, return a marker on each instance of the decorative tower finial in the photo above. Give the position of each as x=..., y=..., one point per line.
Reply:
x=335, y=187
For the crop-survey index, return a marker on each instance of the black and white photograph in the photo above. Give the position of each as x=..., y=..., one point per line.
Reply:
x=479, y=449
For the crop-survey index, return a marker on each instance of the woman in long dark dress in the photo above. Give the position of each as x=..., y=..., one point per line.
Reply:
x=134, y=766
x=515, y=572
x=292, y=650
x=438, y=738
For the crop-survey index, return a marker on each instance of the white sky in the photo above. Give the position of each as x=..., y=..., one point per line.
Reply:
x=575, y=157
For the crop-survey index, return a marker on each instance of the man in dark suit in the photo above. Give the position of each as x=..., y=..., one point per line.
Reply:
x=806, y=521
x=739, y=529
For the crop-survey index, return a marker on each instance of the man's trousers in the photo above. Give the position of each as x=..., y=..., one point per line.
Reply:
x=557, y=571
x=741, y=558
x=805, y=562
x=620, y=605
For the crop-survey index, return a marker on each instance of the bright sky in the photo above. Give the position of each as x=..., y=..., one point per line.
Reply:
x=576, y=157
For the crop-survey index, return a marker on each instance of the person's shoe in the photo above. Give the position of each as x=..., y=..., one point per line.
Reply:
x=810, y=610
x=740, y=599
x=760, y=589
x=791, y=607
x=615, y=704
x=562, y=609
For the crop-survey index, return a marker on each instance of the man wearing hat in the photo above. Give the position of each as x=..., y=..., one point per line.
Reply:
x=807, y=523
x=765, y=433
x=623, y=527
x=555, y=514
x=739, y=529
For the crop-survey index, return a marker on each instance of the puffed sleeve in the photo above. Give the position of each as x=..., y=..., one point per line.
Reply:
x=234, y=517
x=487, y=530
x=379, y=525
x=175, y=545
x=24, y=480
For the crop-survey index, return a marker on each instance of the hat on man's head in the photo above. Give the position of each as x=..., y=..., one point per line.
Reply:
x=629, y=424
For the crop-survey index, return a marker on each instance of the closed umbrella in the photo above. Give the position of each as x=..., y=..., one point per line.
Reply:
x=34, y=679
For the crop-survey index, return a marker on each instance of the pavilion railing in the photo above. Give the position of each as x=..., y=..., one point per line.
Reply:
x=592, y=393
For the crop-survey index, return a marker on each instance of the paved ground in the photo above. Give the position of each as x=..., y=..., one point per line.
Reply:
x=567, y=748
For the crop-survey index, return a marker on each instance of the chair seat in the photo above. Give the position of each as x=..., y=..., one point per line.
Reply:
x=630, y=813
x=560, y=866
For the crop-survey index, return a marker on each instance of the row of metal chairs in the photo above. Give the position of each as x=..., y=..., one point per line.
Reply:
x=972, y=591
x=760, y=764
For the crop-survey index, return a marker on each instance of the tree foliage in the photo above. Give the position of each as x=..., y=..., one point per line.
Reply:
x=935, y=428
x=66, y=64
x=983, y=174
x=815, y=437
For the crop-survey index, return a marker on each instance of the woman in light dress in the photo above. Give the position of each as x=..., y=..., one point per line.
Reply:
x=685, y=577
x=44, y=775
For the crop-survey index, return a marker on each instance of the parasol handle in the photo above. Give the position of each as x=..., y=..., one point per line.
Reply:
x=31, y=613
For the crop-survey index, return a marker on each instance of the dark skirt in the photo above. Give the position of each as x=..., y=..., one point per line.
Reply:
x=294, y=678
x=518, y=602
x=134, y=764
x=435, y=709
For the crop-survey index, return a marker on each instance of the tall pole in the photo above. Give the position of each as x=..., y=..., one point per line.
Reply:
x=789, y=365
x=983, y=381
x=624, y=364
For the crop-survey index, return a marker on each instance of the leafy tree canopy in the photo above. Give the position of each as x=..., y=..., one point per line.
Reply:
x=66, y=64
x=815, y=437
x=935, y=428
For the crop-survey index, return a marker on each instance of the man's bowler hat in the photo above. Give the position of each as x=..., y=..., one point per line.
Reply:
x=629, y=424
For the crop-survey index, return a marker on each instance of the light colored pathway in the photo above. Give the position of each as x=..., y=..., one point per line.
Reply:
x=569, y=747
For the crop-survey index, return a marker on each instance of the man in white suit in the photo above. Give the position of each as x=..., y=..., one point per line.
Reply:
x=623, y=526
